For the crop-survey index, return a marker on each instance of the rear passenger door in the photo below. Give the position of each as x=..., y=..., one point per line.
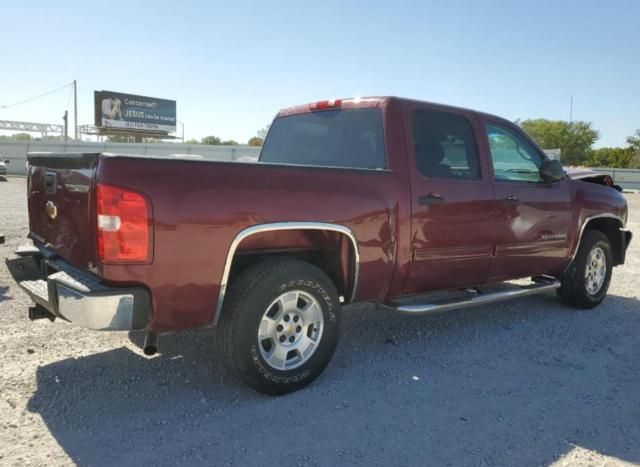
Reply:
x=533, y=216
x=452, y=233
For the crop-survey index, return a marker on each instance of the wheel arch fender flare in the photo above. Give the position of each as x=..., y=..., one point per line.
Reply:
x=593, y=221
x=280, y=226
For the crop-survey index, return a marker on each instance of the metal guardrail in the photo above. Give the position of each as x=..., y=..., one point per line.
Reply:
x=629, y=179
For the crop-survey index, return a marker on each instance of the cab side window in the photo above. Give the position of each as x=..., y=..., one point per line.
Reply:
x=513, y=158
x=444, y=145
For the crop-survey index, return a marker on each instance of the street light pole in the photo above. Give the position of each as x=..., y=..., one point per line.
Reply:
x=571, y=110
x=181, y=124
x=75, y=110
x=65, y=117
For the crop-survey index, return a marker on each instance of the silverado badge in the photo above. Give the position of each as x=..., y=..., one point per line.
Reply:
x=52, y=210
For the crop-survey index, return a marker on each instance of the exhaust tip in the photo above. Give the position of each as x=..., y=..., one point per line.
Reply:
x=150, y=344
x=150, y=350
x=39, y=312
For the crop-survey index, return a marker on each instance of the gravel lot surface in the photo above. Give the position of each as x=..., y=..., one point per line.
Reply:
x=527, y=382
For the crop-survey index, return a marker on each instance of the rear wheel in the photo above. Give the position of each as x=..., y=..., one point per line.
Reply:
x=279, y=325
x=586, y=281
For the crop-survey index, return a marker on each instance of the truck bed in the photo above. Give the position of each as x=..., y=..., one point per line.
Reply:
x=199, y=203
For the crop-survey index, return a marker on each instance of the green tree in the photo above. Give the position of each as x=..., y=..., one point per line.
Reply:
x=192, y=141
x=573, y=138
x=634, y=140
x=262, y=133
x=612, y=157
x=117, y=139
x=229, y=142
x=212, y=140
x=255, y=141
x=21, y=137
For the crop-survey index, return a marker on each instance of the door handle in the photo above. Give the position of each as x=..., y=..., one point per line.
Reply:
x=511, y=200
x=431, y=198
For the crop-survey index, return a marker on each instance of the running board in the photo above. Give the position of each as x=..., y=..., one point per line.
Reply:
x=479, y=299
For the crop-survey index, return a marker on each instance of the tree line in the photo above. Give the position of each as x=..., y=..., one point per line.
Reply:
x=26, y=137
x=256, y=140
x=575, y=141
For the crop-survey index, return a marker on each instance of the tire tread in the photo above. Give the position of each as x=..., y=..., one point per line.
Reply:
x=239, y=292
x=572, y=291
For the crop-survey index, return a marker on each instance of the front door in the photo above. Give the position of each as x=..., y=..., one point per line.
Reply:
x=533, y=216
x=452, y=233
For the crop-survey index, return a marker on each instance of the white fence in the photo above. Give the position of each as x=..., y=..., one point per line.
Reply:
x=16, y=152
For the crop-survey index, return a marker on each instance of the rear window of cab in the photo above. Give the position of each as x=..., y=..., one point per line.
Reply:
x=348, y=138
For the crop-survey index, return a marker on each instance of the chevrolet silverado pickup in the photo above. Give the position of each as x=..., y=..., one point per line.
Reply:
x=414, y=206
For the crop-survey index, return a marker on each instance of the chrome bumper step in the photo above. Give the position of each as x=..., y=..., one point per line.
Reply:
x=60, y=290
x=37, y=290
x=478, y=298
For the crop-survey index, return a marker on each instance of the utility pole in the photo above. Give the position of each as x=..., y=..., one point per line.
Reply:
x=65, y=117
x=571, y=110
x=182, y=125
x=75, y=110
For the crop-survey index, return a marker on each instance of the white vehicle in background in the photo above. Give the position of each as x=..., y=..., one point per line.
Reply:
x=3, y=167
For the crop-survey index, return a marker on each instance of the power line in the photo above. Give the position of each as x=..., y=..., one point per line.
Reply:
x=34, y=98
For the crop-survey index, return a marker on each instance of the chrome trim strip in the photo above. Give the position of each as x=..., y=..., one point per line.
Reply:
x=584, y=225
x=284, y=226
x=482, y=299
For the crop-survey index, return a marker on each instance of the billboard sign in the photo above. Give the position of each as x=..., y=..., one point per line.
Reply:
x=118, y=111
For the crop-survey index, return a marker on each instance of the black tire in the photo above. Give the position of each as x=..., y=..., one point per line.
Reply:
x=248, y=299
x=573, y=290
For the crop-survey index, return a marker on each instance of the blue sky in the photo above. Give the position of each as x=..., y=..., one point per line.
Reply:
x=231, y=65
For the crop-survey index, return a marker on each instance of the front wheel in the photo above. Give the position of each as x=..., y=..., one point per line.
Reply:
x=279, y=325
x=586, y=280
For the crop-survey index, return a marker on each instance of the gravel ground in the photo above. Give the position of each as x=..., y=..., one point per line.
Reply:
x=527, y=382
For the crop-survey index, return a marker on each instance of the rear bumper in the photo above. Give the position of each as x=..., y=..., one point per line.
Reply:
x=77, y=296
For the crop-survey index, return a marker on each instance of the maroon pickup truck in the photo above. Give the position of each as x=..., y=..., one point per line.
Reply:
x=352, y=200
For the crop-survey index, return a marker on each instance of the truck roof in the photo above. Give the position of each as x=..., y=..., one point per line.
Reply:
x=370, y=102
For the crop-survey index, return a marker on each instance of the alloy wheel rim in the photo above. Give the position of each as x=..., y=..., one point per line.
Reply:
x=595, y=271
x=290, y=330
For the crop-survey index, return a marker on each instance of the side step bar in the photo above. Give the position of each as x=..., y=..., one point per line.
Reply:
x=479, y=299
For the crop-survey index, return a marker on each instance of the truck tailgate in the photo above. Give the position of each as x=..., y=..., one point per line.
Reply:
x=60, y=198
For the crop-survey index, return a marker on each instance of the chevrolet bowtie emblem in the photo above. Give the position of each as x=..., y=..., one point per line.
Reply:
x=52, y=210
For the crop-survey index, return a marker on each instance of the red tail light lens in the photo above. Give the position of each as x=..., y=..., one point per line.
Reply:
x=124, y=225
x=320, y=105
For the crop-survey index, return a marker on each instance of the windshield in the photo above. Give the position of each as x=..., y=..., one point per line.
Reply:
x=332, y=138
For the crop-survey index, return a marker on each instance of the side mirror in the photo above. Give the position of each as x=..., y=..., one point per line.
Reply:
x=552, y=171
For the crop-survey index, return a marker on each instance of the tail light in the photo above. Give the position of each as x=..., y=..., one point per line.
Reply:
x=320, y=105
x=124, y=225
